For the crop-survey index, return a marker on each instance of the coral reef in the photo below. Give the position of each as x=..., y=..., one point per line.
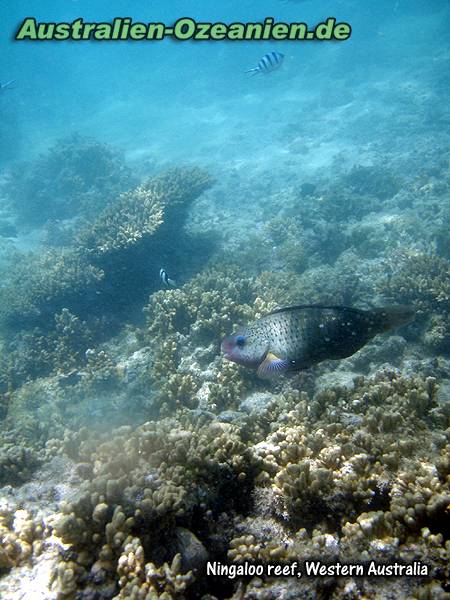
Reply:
x=39, y=286
x=373, y=181
x=40, y=352
x=20, y=536
x=351, y=474
x=54, y=305
x=75, y=177
x=199, y=313
x=135, y=215
x=140, y=484
x=421, y=280
x=169, y=456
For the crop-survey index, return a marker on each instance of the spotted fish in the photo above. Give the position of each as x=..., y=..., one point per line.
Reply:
x=268, y=63
x=297, y=337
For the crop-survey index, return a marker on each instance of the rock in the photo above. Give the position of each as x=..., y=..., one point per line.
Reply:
x=443, y=393
x=230, y=416
x=193, y=553
x=343, y=379
x=257, y=403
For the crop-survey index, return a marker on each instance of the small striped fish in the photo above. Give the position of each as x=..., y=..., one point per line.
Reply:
x=268, y=63
x=167, y=281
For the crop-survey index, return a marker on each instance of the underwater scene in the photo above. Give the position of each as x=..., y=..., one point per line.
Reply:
x=224, y=300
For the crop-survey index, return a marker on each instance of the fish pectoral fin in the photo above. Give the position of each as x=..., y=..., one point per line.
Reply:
x=272, y=366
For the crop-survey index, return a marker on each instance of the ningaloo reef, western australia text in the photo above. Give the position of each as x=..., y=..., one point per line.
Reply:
x=316, y=568
x=185, y=28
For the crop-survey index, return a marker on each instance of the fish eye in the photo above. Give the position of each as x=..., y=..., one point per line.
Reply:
x=240, y=340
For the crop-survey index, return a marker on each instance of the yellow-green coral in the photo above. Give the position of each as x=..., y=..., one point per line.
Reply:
x=422, y=280
x=138, y=579
x=135, y=215
x=38, y=286
x=141, y=481
x=205, y=309
x=20, y=536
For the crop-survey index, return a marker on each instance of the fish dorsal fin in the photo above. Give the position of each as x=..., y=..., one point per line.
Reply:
x=321, y=306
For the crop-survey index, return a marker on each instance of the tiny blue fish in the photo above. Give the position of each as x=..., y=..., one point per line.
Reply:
x=166, y=279
x=268, y=63
x=7, y=85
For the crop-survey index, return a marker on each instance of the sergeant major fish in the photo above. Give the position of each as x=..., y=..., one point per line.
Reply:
x=297, y=337
x=166, y=279
x=268, y=63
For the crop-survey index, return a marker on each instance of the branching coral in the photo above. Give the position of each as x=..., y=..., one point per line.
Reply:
x=206, y=307
x=39, y=352
x=41, y=285
x=76, y=176
x=422, y=280
x=19, y=536
x=355, y=490
x=336, y=477
x=67, y=300
x=140, y=580
x=203, y=311
x=135, y=215
x=374, y=181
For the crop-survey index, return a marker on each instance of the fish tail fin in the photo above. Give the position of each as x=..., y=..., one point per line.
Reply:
x=253, y=72
x=390, y=317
